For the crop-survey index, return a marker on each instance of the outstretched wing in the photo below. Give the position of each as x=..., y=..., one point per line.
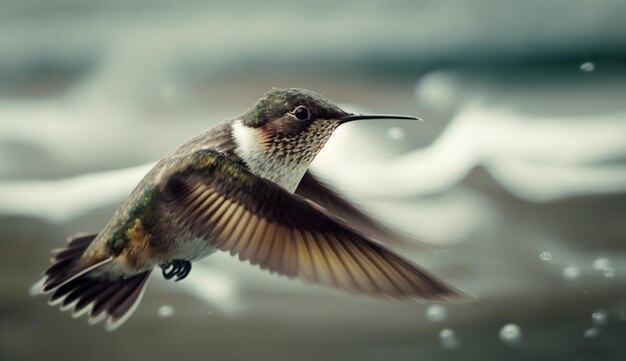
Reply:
x=221, y=201
x=312, y=188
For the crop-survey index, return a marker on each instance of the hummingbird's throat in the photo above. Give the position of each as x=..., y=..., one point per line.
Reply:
x=282, y=160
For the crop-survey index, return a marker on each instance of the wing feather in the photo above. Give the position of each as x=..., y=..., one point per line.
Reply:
x=259, y=221
x=265, y=246
x=314, y=189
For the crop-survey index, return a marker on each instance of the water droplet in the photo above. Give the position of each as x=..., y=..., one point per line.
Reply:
x=545, y=256
x=571, y=272
x=511, y=334
x=396, y=133
x=166, y=311
x=591, y=332
x=588, y=67
x=448, y=339
x=599, y=318
x=436, y=313
x=609, y=272
x=601, y=263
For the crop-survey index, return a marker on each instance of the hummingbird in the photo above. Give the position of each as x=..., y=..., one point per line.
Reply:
x=241, y=187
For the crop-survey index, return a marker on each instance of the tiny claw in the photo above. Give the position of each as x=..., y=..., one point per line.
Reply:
x=167, y=272
x=176, y=268
x=184, y=271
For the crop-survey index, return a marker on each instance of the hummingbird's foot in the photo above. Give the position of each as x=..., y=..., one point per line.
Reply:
x=178, y=268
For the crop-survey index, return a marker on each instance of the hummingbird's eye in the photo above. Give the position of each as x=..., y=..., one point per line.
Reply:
x=301, y=113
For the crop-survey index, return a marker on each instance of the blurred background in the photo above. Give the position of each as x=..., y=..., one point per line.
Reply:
x=518, y=169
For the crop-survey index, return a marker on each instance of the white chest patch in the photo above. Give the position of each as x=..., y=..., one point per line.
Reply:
x=286, y=171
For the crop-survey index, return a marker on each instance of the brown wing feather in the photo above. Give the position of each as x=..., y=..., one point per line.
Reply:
x=314, y=189
x=285, y=233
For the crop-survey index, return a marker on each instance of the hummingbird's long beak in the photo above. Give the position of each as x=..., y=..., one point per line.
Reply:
x=353, y=117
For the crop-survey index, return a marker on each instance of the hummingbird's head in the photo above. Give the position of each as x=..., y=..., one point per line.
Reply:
x=286, y=128
x=288, y=112
x=294, y=123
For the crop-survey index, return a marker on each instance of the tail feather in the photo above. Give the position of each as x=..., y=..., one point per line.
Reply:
x=124, y=306
x=65, y=263
x=109, y=298
x=78, y=291
x=74, y=286
x=116, y=302
x=61, y=293
x=86, y=301
x=67, y=271
x=77, y=243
